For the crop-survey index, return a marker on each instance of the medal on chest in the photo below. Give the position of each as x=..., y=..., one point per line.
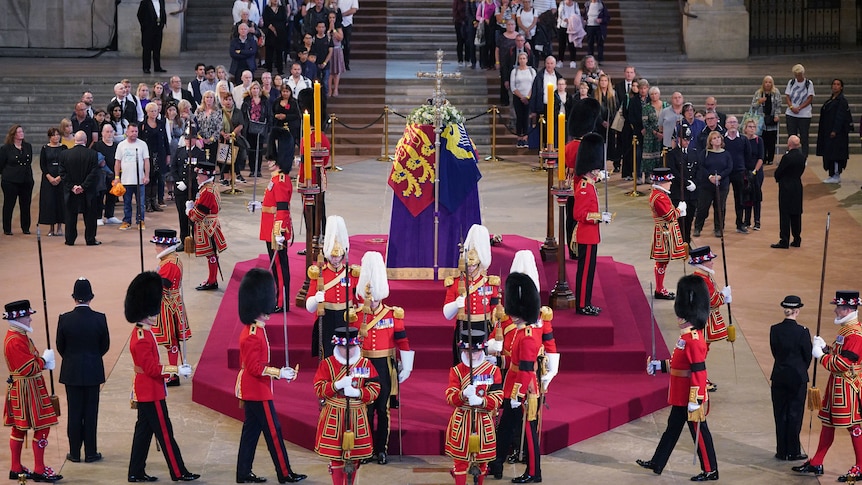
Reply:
x=680, y=344
x=839, y=340
x=361, y=372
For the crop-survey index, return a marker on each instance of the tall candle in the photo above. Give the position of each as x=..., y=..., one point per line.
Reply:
x=561, y=156
x=318, y=130
x=550, y=116
x=306, y=145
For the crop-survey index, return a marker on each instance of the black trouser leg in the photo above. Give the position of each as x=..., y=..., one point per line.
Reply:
x=586, y=272
x=75, y=419
x=72, y=218
x=91, y=419
x=380, y=407
x=705, y=448
x=675, y=421
x=91, y=213
x=737, y=180
x=770, y=138
x=796, y=226
x=508, y=430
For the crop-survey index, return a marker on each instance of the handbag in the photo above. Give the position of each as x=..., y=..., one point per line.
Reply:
x=226, y=153
x=118, y=190
x=619, y=121
x=256, y=127
x=479, y=40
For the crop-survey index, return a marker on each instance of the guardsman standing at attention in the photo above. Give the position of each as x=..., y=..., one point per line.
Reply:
x=333, y=287
x=276, y=229
x=667, y=242
x=476, y=392
x=172, y=327
x=347, y=383
x=382, y=331
x=475, y=286
x=27, y=402
x=687, y=394
x=254, y=381
x=589, y=170
x=141, y=307
x=841, y=406
x=203, y=212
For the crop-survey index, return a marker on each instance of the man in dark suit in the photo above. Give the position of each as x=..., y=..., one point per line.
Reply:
x=624, y=87
x=789, y=178
x=152, y=24
x=539, y=91
x=79, y=169
x=683, y=163
x=82, y=340
x=790, y=343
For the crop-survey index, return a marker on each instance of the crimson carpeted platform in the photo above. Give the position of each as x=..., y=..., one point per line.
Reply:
x=602, y=383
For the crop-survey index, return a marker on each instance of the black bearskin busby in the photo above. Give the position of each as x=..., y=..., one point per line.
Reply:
x=256, y=295
x=144, y=297
x=305, y=99
x=692, y=301
x=591, y=154
x=584, y=117
x=522, y=298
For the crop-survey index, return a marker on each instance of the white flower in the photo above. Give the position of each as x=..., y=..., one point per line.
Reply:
x=425, y=115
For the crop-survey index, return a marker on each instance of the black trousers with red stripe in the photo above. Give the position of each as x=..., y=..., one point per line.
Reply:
x=260, y=418
x=586, y=273
x=153, y=419
x=675, y=421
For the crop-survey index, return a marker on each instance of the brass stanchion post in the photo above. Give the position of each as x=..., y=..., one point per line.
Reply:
x=634, y=192
x=550, y=247
x=386, y=157
x=332, y=165
x=493, y=156
x=562, y=295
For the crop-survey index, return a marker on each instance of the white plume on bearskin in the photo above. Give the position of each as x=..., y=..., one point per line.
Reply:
x=479, y=240
x=335, y=234
x=373, y=272
x=525, y=262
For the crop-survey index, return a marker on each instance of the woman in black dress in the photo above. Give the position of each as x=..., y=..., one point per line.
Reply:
x=285, y=129
x=16, y=178
x=275, y=23
x=51, y=189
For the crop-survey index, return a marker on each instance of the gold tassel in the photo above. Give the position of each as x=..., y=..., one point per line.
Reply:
x=188, y=245
x=815, y=400
x=241, y=404
x=133, y=404
x=532, y=407
x=731, y=333
x=348, y=441
x=473, y=443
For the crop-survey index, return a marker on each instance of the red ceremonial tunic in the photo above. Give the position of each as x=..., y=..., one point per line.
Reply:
x=172, y=315
x=571, y=154
x=586, y=212
x=687, y=369
x=466, y=419
x=841, y=406
x=28, y=404
x=150, y=374
x=276, y=207
x=383, y=331
x=521, y=377
x=209, y=240
x=331, y=425
x=335, y=286
x=251, y=382
x=715, y=326
x=667, y=242
x=483, y=295
x=543, y=332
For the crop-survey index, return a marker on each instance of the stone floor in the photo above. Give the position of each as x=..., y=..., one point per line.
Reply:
x=513, y=201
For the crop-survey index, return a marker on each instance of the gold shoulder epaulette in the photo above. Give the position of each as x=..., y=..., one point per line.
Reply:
x=354, y=270
x=397, y=312
x=449, y=281
x=694, y=334
x=252, y=330
x=313, y=272
x=140, y=333
x=281, y=177
x=528, y=331
x=494, y=280
x=547, y=313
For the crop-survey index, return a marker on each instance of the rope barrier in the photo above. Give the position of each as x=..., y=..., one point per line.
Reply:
x=398, y=114
x=364, y=127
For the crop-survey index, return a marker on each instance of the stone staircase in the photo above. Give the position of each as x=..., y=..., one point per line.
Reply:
x=653, y=30
x=208, y=25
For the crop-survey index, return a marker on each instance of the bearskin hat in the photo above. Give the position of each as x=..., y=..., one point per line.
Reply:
x=256, y=295
x=584, y=117
x=144, y=297
x=522, y=297
x=590, y=154
x=305, y=99
x=692, y=300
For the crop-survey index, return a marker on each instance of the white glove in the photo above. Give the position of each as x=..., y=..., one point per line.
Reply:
x=693, y=406
x=475, y=401
x=553, y=367
x=185, y=370
x=682, y=208
x=494, y=346
x=601, y=175
x=344, y=382
x=48, y=357
x=287, y=373
x=691, y=187
x=319, y=296
x=460, y=301
x=254, y=205
x=491, y=359
x=726, y=293
x=406, y=365
x=181, y=186
x=653, y=367
x=351, y=391
x=469, y=391
x=515, y=403
x=190, y=204
x=606, y=217
x=280, y=241
x=817, y=344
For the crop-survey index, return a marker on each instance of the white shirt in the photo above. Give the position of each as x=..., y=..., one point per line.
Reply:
x=253, y=12
x=239, y=94
x=298, y=85
x=522, y=80
x=345, y=5
x=798, y=94
x=593, y=11
x=131, y=98
x=566, y=11
x=126, y=155
x=549, y=78
x=158, y=9
x=540, y=6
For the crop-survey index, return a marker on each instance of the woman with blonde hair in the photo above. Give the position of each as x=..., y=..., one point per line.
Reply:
x=714, y=184
x=767, y=103
x=607, y=98
x=209, y=120
x=67, y=138
x=143, y=94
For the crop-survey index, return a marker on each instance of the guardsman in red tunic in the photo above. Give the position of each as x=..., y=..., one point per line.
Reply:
x=667, y=242
x=521, y=387
x=382, y=332
x=842, y=403
x=482, y=293
x=141, y=307
x=701, y=258
x=476, y=392
x=203, y=212
x=590, y=165
x=276, y=229
x=345, y=380
x=687, y=394
x=27, y=402
x=172, y=327
x=254, y=381
x=581, y=120
x=332, y=286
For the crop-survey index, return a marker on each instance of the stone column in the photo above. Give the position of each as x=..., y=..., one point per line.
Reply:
x=129, y=38
x=720, y=31
x=848, y=24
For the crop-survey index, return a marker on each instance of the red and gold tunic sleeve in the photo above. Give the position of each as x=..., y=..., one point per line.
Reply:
x=696, y=353
x=170, y=272
x=399, y=332
x=21, y=355
x=205, y=205
x=845, y=359
x=549, y=343
x=324, y=378
x=662, y=207
x=453, y=392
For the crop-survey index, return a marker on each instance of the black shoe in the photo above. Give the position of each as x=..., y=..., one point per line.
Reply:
x=146, y=71
x=781, y=457
x=705, y=476
x=807, y=467
x=495, y=471
x=94, y=243
x=796, y=243
x=240, y=178
x=525, y=478
x=48, y=476
x=513, y=458
x=301, y=252
x=590, y=310
x=717, y=233
x=780, y=245
x=800, y=456
x=649, y=465
x=73, y=459
x=173, y=382
x=664, y=295
x=92, y=458
x=852, y=476
x=250, y=478
x=159, y=69
x=207, y=286
x=26, y=231
x=382, y=459
x=293, y=478
x=142, y=478
x=14, y=475
x=186, y=477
